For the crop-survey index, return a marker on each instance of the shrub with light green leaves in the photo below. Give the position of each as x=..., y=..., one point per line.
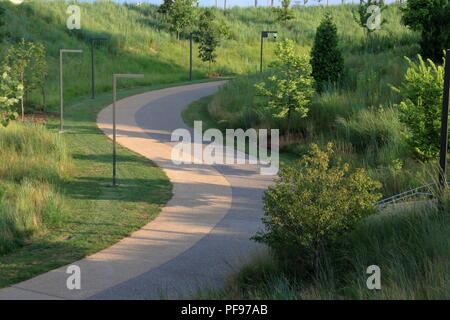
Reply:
x=421, y=107
x=313, y=205
x=10, y=94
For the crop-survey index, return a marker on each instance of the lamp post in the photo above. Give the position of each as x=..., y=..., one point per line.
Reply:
x=61, y=87
x=92, y=63
x=265, y=34
x=190, y=53
x=444, y=123
x=115, y=77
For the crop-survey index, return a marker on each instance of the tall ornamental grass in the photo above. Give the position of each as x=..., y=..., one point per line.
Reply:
x=33, y=163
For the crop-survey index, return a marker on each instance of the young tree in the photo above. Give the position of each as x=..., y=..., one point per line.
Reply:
x=291, y=87
x=165, y=7
x=369, y=15
x=38, y=71
x=421, y=107
x=285, y=13
x=26, y=61
x=17, y=59
x=326, y=58
x=11, y=92
x=432, y=19
x=182, y=15
x=210, y=30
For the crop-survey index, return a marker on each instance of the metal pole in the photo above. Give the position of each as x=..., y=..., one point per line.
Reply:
x=262, y=44
x=114, y=132
x=92, y=68
x=115, y=77
x=444, y=123
x=61, y=123
x=190, y=58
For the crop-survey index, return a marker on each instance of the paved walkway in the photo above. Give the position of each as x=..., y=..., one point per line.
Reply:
x=200, y=237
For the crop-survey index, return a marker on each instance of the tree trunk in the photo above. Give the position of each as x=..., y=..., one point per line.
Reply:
x=289, y=126
x=23, y=97
x=44, y=100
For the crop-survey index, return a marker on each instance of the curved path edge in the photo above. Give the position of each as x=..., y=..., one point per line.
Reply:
x=199, y=237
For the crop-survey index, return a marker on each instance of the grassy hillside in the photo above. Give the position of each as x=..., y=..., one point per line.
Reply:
x=140, y=42
x=360, y=117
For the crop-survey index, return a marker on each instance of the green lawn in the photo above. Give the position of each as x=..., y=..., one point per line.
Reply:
x=98, y=215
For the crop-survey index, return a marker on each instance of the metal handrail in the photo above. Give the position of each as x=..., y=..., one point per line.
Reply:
x=406, y=194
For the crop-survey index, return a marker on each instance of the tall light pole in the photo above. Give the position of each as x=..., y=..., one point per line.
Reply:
x=444, y=123
x=115, y=77
x=61, y=87
x=265, y=34
x=92, y=63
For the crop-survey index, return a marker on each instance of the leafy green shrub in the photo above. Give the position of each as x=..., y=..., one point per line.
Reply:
x=420, y=109
x=326, y=58
x=11, y=93
x=313, y=205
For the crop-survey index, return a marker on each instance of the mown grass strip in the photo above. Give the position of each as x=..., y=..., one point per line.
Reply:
x=98, y=216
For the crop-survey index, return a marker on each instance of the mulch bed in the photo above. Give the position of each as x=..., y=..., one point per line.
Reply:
x=39, y=117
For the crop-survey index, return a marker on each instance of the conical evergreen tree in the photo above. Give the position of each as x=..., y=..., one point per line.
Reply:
x=326, y=58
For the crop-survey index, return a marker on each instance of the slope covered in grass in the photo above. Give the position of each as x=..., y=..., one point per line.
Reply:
x=140, y=41
x=358, y=115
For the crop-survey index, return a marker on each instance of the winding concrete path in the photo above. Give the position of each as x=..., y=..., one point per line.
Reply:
x=200, y=237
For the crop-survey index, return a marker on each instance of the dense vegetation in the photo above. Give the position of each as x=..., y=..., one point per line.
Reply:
x=358, y=108
x=382, y=116
x=144, y=43
x=33, y=164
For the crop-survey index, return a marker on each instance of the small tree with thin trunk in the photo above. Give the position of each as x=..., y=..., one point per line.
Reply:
x=285, y=13
x=165, y=7
x=368, y=16
x=27, y=64
x=181, y=14
x=290, y=89
x=210, y=30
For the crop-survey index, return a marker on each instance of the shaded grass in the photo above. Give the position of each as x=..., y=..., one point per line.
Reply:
x=97, y=215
